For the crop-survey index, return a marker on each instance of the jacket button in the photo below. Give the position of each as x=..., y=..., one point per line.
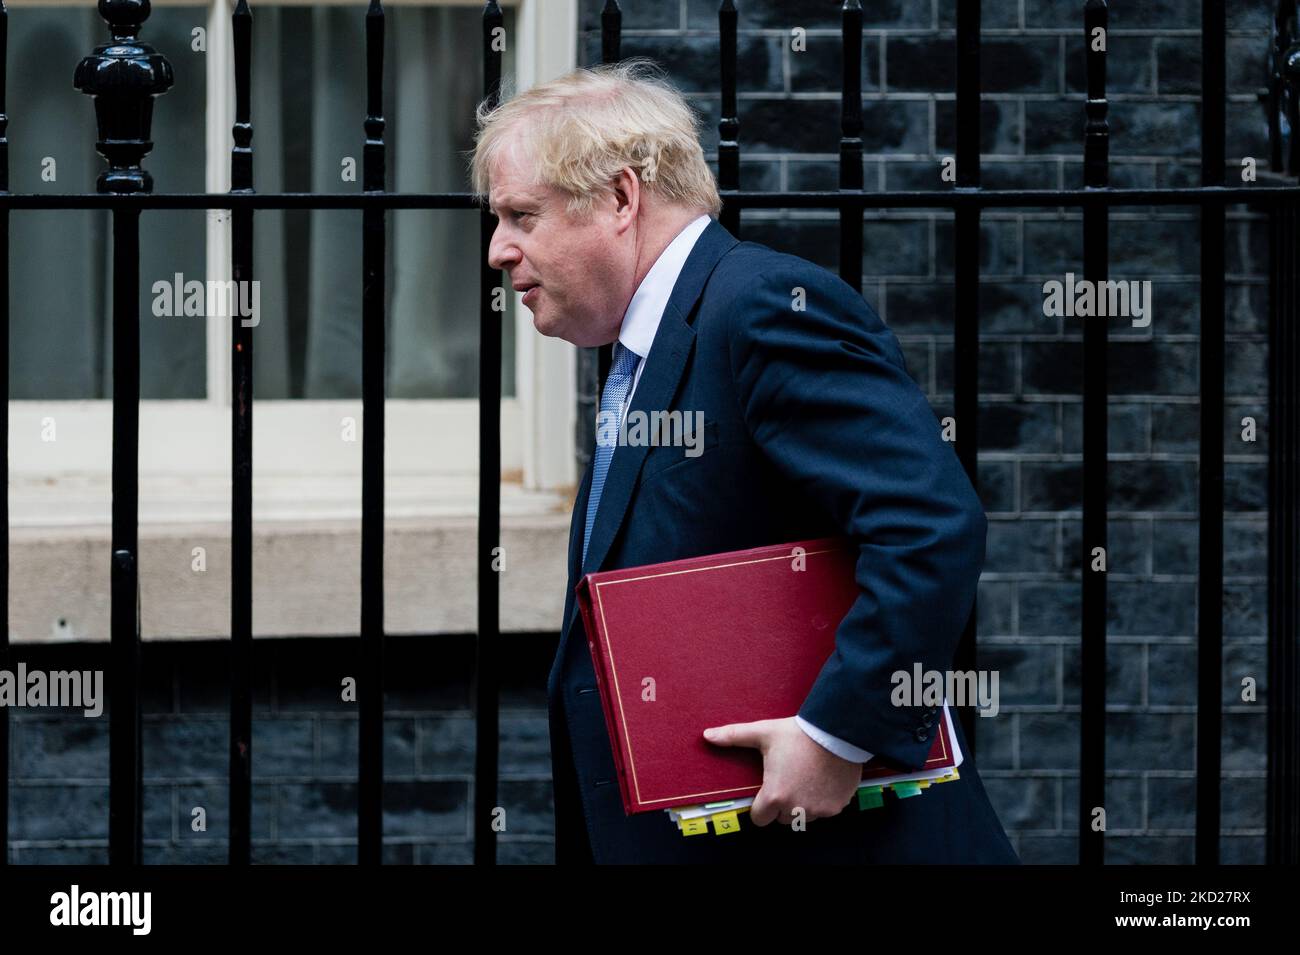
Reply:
x=921, y=734
x=927, y=719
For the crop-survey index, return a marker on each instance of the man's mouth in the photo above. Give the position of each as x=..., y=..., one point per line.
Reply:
x=530, y=294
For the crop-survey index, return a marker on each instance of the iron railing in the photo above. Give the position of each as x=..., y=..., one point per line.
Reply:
x=126, y=74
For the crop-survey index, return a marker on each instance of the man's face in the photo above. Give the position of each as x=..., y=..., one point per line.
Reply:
x=575, y=271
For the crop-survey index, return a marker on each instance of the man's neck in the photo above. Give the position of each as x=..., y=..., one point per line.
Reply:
x=659, y=236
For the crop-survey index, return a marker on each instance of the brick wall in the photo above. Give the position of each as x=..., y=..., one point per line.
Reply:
x=304, y=754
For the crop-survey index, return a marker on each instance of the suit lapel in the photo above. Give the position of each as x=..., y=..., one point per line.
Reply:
x=658, y=385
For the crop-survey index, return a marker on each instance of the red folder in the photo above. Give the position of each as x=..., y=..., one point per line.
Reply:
x=724, y=638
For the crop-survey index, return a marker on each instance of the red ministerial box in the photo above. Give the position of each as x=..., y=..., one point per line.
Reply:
x=725, y=638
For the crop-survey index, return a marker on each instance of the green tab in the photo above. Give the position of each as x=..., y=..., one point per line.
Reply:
x=870, y=798
x=903, y=790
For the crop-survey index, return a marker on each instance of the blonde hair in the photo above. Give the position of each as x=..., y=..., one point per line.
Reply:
x=583, y=127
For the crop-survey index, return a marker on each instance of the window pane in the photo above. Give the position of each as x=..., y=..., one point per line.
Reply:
x=308, y=114
x=60, y=261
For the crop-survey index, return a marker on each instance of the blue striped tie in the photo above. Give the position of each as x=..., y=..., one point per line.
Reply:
x=608, y=424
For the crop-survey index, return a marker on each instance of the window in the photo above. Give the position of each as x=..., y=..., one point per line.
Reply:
x=308, y=107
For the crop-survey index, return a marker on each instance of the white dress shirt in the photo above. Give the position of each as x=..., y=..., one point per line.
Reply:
x=637, y=333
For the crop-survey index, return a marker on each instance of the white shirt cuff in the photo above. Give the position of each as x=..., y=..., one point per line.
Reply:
x=839, y=747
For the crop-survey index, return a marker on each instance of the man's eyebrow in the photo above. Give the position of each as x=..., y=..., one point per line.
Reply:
x=509, y=202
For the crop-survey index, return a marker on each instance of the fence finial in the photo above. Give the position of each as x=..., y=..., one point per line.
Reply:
x=124, y=76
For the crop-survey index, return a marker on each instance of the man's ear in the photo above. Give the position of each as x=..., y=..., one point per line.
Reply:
x=627, y=196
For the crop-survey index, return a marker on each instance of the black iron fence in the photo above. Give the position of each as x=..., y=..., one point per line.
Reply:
x=126, y=74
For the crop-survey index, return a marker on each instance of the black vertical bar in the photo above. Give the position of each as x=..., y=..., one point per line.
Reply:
x=1095, y=470
x=486, y=671
x=124, y=797
x=728, y=121
x=4, y=428
x=851, y=142
x=123, y=111
x=1209, y=615
x=1283, y=802
x=966, y=308
x=370, y=806
x=611, y=51
x=241, y=459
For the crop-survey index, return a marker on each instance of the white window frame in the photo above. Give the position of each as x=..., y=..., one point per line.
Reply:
x=302, y=465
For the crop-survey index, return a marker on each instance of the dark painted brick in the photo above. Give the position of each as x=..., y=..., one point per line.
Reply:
x=1049, y=608
x=994, y=607
x=63, y=855
x=1172, y=674
x=346, y=853
x=1017, y=65
x=993, y=16
x=339, y=742
x=1150, y=850
x=1245, y=610
x=1244, y=741
x=420, y=809
x=511, y=852
x=637, y=14
x=1020, y=546
x=1242, y=661
x=1242, y=850
x=525, y=743
x=1245, y=486
x=1027, y=675
x=1049, y=741
x=447, y=853
x=53, y=748
x=1127, y=428
x=446, y=745
x=1173, y=802
x=783, y=14
x=284, y=747
x=1124, y=674
x=1128, y=65
x=1026, y=427
x=996, y=485
x=528, y=805
x=1161, y=14
x=823, y=174
x=819, y=67
x=186, y=747
x=997, y=374
x=691, y=62
x=1000, y=129
x=59, y=811
x=1049, y=850
x=1151, y=608
x=1141, y=740
x=999, y=250
x=1123, y=803
x=1023, y=803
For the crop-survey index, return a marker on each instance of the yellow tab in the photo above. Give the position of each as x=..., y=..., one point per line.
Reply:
x=694, y=827
x=924, y=783
x=725, y=822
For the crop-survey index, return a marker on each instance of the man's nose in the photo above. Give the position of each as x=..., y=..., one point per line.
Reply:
x=501, y=253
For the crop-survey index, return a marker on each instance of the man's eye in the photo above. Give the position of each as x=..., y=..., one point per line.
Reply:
x=520, y=215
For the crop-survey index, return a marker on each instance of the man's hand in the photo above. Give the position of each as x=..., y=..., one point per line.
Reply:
x=797, y=772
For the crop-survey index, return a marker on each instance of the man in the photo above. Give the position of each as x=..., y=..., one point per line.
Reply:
x=812, y=427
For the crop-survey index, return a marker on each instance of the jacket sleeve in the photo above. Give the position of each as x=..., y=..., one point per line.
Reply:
x=826, y=396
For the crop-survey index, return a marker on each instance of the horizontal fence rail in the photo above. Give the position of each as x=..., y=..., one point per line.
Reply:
x=125, y=75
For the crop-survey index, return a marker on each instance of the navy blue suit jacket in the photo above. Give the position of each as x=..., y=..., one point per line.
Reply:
x=812, y=427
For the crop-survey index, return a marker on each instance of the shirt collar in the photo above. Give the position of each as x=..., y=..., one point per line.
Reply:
x=641, y=320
